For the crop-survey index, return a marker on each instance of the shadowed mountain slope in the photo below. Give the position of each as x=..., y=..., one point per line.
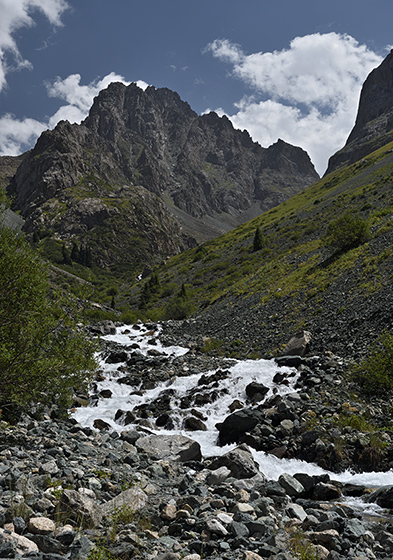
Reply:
x=374, y=121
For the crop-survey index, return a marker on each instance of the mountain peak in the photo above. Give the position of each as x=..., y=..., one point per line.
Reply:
x=144, y=157
x=374, y=122
x=376, y=98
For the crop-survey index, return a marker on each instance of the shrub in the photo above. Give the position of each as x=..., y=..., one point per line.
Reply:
x=301, y=547
x=43, y=355
x=375, y=373
x=177, y=309
x=347, y=232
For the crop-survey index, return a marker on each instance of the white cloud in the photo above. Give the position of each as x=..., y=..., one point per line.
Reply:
x=141, y=84
x=80, y=96
x=17, y=136
x=307, y=94
x=15, y=14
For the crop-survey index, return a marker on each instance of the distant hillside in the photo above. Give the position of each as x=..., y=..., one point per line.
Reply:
x=144, y=177
x=256, y=300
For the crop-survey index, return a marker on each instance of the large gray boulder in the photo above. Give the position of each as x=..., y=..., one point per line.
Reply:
x=80, y=508
x=298, y=345
x=383, y=497
x=291, y=485
x=134, y=499
x=21, y=545
x=170, y=448
x=237, y=424
x=239, y=461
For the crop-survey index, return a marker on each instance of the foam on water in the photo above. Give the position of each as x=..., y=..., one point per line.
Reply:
x=230, y=388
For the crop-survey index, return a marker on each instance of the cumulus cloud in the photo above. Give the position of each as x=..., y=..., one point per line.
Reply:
x=15, y=14
x=79, y=97
x=306, y=94
x=17, y=136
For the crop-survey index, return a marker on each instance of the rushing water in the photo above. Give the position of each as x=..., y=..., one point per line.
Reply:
x=232, y=387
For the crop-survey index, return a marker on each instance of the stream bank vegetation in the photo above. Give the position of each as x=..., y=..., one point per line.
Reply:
x=44, y=352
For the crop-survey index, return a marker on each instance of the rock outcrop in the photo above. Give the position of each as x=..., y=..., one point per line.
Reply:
x=374, y=121
x=144, y=175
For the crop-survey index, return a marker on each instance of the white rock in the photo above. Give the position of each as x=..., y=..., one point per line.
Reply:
x=41, y=526
x=224, y=518
x=23, y=545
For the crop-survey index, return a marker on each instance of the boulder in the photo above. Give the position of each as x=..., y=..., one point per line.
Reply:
x=288, y=361
x=134, y=498
x=256, y=391
x=291, y=485
x=194, y=424
x=215, y=527
x=104, y=328
x=218, y=476
x=41, y=526
x=326, y=492
x=298, y=344
x=296, y=511
x=100, y=424
x=116, y=357
x=22, y=544
x=80, y=508
x=383, y=497
x=237, y=424
x=239, y=461
x=170, y=448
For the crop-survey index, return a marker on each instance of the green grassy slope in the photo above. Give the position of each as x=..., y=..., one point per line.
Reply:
x=294, y=263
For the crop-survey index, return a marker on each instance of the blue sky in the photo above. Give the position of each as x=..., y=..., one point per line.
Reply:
x=282, y=69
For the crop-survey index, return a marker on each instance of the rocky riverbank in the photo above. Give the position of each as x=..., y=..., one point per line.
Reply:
x=68, y=491
x=71, y=492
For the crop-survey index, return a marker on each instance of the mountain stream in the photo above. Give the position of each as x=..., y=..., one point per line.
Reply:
x=232, y=387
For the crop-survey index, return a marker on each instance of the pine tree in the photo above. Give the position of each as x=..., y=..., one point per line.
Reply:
x=82, y=256
x=183, y=291
x=259, y=241
x=89, y=258
x=75, y=252
x=113, y=291
x=66, y=255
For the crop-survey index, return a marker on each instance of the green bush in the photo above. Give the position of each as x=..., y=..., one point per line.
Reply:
x=43, y=354
x=177, y=309
x=375, y=373
x=347, y=232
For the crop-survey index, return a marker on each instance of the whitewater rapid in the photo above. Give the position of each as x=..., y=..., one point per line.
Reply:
x=240, y=375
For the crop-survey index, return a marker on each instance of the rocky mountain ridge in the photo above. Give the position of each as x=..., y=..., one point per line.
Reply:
x=374, y=122
x=145, y=160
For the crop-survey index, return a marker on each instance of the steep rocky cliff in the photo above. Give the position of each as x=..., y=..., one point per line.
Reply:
x=374, y=121
x=145, y=176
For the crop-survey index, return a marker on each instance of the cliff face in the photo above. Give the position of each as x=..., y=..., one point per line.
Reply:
x=146, y=161
x=374, y=122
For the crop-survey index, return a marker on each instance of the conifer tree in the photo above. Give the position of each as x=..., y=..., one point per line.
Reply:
x=66, y=255
x=75, y=252
x=113, y=292
x=259, y=241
